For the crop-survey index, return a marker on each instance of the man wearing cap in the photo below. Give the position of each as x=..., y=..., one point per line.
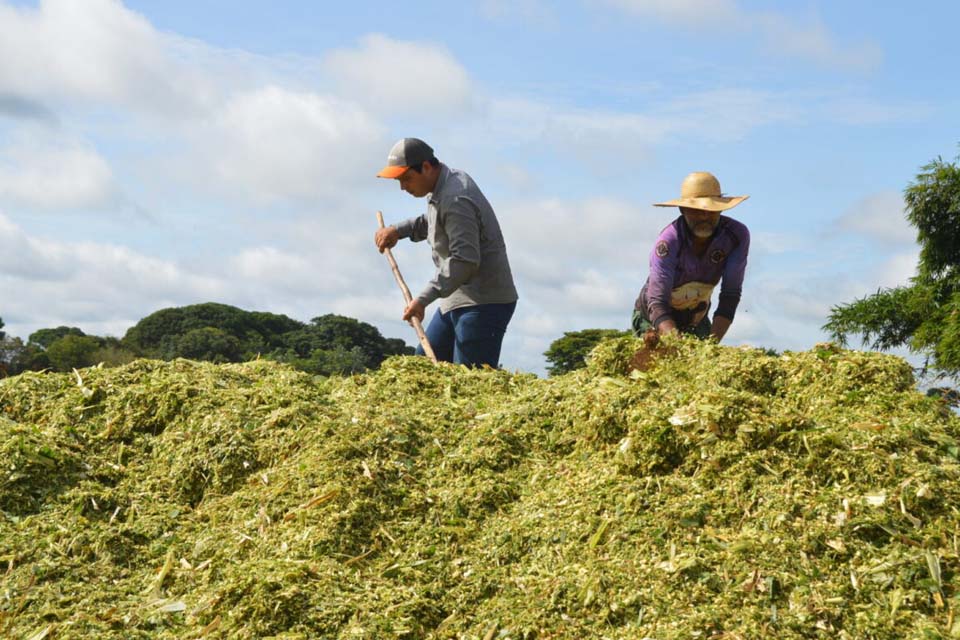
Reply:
x=472, y=280
x=691, y=256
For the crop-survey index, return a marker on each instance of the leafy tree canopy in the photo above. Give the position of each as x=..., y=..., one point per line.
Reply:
x=569, y=352
x=73, y=352
x=329, y=344
x=158, y=334
x=924, y=316
x=338, y=333
x=43, y=338
x=210, y=344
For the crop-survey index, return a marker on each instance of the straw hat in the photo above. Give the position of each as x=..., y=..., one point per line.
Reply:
x=701, y=190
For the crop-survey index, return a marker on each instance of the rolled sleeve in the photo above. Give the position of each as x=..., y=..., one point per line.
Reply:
x=413, y=228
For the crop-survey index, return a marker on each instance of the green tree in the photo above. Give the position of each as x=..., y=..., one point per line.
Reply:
x=220, y=333
x=924, y=316
x=43, y=338
x=210, y=344
x=334, y=335
x=18, y=357
x=72, y=352
x=333, y=332
x=329, y=362
x=569, y=352
x=2, y=334
x=112, y=353
x=159, y=334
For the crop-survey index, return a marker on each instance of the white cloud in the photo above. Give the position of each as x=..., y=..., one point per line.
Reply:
x=554, y=245
x=105, y=289
x=897, y=270
x=748, y=328
x=614, y=139
x=517, y=176
x=273, y=270
x=599, y=291
x=96, y=50
x=97, y=286
x=802, y=297
x=879, y=217
x=540, y=325
x=611, y=142
x=395, y=76
x=773, y=243
x=727, y=115
x=590, y=132
x=813, y=41
x=780, y=33
x=278, y=144
x=54, y=174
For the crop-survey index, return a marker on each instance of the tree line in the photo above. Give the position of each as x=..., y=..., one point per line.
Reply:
x=327, y=345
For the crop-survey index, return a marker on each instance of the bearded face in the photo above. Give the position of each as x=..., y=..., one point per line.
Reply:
x=700, y=221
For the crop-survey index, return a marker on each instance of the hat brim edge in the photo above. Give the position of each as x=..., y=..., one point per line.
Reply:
x=392, y=172
x=708, y=203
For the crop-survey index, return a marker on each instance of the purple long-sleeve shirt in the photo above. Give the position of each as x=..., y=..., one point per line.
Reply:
x=681, y=283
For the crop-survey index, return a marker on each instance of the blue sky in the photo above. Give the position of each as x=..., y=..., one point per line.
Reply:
x=155, y=154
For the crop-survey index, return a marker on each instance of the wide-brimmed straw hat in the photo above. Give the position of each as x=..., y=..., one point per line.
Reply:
x=701, y=190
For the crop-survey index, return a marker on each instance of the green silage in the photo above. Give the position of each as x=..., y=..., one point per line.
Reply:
x=722, y=493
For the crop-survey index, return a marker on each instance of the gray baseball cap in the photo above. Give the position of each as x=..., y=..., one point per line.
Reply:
x=408, y=152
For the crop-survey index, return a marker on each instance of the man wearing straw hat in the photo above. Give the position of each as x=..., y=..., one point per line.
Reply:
x=472, y=280
x=691, y=256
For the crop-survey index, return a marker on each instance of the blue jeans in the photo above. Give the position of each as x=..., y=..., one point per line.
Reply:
x=470, y=335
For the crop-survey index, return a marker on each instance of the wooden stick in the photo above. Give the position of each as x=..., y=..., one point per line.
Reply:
x=427, y=349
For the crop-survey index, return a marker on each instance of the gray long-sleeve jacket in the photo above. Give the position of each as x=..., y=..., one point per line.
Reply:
x=467, y=245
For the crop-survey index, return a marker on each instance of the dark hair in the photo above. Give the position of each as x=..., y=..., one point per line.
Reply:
x=419, y=167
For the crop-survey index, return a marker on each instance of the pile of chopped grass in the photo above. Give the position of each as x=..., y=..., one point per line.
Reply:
x=722, y=492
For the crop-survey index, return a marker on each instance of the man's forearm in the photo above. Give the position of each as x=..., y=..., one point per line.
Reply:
x=719, y=327
x=414, y=228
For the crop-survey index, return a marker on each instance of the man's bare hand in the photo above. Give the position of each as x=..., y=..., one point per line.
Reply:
x=667, y=327
x=386, y=238
x=413, y=310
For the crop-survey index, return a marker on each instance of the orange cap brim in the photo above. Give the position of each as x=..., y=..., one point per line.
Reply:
x=392, y=172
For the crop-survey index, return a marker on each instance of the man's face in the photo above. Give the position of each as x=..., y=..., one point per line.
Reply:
x=416, y=183
x=700, y=221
